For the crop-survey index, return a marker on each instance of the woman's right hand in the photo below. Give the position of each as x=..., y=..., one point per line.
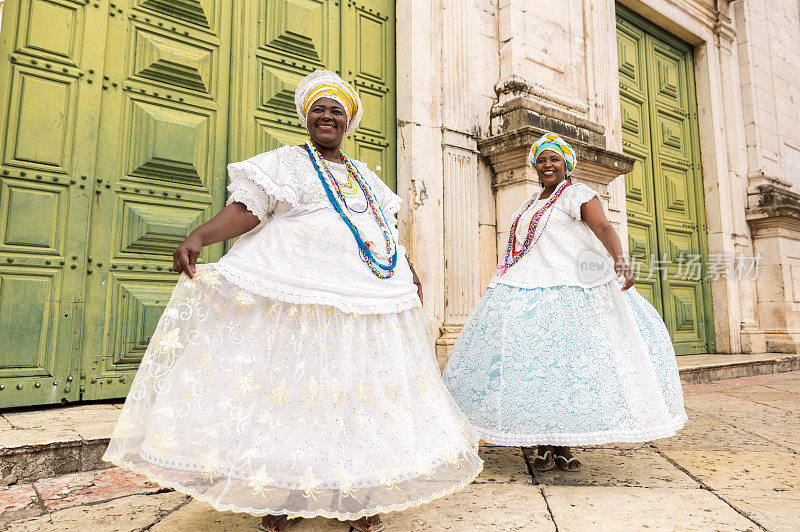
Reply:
x=185, y=257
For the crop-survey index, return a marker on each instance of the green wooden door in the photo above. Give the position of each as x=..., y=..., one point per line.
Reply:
x=115, y=131
x=160, y=158
x=281, y=41
x=664, y=192
x=47, y=111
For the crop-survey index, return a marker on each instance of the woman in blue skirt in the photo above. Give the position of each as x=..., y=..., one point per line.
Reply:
x=561, y=350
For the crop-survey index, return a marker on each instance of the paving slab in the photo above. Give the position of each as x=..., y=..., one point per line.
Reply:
x=769, y=396
x=610, y=467
x=740, y=469
x=89, y=421
x=713, y=432
x=199, y=515
x=16, y=438
x=119, y=515
x=477, y=507
x=18, y=502
x=503, y=464
x=488, y=506
x=92, y=486
x=582, y=508
x=789, y=385
x=776, y=511
x=777, y=426
x=724, y=404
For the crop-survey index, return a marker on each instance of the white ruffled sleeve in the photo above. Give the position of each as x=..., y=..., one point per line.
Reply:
x=576, y=195
x=260, y=183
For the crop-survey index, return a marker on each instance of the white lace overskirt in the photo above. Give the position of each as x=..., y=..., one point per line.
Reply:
x=566, y=365
x=266, y=407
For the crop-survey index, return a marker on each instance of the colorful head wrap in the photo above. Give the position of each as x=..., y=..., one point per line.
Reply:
x=551, y=141
x=327, y=84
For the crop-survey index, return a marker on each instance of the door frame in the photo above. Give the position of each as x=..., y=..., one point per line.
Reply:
x=664, y=36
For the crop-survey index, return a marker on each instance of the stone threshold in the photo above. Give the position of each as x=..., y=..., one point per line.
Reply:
x=50, y=441
x=706, y=368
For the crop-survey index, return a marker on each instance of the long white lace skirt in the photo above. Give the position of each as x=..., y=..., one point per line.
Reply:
x=266, y=407
x=566, y=365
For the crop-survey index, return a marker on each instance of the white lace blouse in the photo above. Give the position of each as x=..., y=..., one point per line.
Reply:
x=567, y=252
x=302, y=251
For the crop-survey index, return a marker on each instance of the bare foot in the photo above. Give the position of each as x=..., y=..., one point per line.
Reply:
x=368, y=524
x=565, y=461
x=544, y=458
x=275, y=523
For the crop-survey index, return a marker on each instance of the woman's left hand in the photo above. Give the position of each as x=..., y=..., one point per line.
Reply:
x=419, y=289
x=624, y=271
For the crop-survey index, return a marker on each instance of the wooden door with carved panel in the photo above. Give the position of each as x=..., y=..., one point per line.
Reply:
x=48, y=108
x=664, y=192
x=281, y=41
x=159, y=173
x=115, y=130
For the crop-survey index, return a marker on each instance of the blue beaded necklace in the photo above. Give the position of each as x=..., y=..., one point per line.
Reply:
x=384, y=271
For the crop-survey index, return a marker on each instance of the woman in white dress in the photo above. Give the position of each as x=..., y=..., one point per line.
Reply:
x=558, y=351
x=294, y=377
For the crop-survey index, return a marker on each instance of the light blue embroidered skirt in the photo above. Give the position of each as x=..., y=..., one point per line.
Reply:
x=566, y=366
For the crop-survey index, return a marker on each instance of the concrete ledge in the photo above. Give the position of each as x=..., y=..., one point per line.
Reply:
x=47, y=441
x=705, y=368
x=29, y=463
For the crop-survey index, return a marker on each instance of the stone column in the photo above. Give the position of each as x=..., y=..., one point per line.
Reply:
x=774, y=217
x=745, y=334
x=460, y=187
x=419, y=154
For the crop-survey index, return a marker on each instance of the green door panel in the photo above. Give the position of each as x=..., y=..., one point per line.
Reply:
x=163, y=124
x=116, y=123
x=664, y=196
x=281, y=41
x=47, y=109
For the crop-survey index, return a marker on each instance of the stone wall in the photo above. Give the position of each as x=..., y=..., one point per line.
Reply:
x=479, y=80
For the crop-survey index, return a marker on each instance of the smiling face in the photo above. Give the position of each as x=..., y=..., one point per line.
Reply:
x=326, y=123
x=551, y=167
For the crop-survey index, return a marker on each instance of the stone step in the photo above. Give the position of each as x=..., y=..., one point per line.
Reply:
x=706, y=368
x=44, y=442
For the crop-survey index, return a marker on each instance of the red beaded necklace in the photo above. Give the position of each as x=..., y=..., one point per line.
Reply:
x=512, y=255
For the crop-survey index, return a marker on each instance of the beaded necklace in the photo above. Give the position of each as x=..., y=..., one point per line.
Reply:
x=512, y=256
x=351, y=187
x=382, y=271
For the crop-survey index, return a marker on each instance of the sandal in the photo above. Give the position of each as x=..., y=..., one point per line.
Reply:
x=278, y=518
x=378, y=527
x=567, y=462
x=543, y=457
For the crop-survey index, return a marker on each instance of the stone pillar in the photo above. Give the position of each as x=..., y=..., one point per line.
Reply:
x=460, y=186
x=745, y=335
x=419, y=140
x=774, y=217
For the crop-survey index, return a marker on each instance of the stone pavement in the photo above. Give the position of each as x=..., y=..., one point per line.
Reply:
x=736, y=466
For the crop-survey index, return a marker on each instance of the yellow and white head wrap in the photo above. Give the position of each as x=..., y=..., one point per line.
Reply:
x=553, y=142
x=327, y=84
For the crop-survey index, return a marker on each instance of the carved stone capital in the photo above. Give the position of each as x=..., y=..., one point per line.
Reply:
x=508, y=153
x=773, y=210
